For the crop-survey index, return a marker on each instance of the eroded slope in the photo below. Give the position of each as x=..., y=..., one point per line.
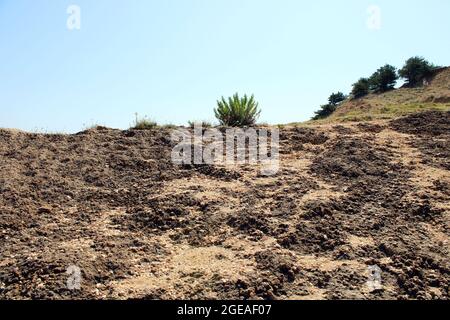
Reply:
x=112, y=203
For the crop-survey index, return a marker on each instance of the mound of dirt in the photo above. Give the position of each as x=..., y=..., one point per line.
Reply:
x=370, y=127
x=137, y=226
x=294, y=139
x=432, y=132
x=432, y=123
x=355, y=159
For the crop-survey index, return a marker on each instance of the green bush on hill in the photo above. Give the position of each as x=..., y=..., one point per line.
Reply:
x=327, y=109
x=360, y=88
x=336, y=98
x=384, y=79
x=237, y=112
x=415, y=70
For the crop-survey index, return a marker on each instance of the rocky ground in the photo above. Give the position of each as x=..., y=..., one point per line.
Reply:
x=112, y=203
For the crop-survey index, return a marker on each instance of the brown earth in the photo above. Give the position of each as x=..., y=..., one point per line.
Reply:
x=112, y=203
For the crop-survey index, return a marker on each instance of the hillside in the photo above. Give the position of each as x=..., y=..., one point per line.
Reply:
x=347, y=197
x=350, y=195
x=433, y=96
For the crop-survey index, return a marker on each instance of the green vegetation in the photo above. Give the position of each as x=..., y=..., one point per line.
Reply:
x=203, y=124
x=327, y=109
x=361, y=88
x=384, y=79
x=143, y=123
x=237, y=112
x=415, y=70
x=336, y=98
x=378, y=103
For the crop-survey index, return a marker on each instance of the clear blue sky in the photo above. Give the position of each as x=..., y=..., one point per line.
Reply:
x=171, y=59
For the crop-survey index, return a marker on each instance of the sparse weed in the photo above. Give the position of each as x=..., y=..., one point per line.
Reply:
x=169, y=126
x=143, y=123
x=204, y=124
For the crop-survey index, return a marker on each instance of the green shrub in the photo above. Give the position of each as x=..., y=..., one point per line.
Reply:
x=415, y=70
x=237, y=112
x=327, y=110
x=336, y=98
x=384, y=79
x=360, y=88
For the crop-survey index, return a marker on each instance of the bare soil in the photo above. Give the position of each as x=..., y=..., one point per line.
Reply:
x=112, y=203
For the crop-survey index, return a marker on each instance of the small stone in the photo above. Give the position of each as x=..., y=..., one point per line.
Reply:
x=44, y=210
